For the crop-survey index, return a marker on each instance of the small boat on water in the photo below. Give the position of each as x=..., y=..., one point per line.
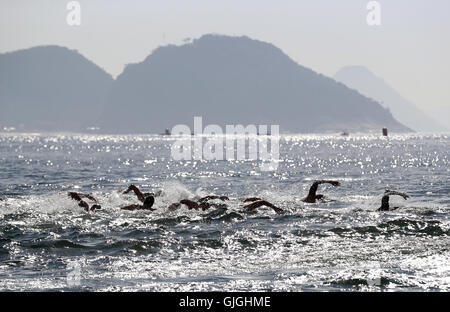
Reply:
x=166, y=132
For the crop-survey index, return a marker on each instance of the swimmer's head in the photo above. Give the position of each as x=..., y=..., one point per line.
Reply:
x=96, y=207
x=204, y=205
x=149, y=201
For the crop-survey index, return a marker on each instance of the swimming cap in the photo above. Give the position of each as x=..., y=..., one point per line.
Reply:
x=149, y=201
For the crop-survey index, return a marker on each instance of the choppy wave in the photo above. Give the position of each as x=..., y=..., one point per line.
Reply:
x=48, y=243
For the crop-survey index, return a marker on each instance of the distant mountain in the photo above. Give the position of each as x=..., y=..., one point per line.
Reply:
x=51, y=88
x=236, y=80
x=226, y=80
x=363, y=80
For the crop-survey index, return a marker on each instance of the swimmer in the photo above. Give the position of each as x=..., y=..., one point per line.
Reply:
x=141, y=196
x=147, y=205
x=79, y=198
x=147, y=199
x=257, y=202
x=385, y=200
x=312, y=197
x=203, y=205
x=206, y=198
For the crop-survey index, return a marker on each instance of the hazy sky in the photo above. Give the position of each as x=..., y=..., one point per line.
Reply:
x=410, y=49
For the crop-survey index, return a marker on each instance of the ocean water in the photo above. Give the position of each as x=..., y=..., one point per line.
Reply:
x=48, y=243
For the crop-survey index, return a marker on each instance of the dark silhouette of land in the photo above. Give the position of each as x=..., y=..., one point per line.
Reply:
x=365, y=82
x=236, y=80
x=51, y=88
x=226, y=80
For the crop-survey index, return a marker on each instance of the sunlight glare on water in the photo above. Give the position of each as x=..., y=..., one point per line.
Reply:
x=339, y=244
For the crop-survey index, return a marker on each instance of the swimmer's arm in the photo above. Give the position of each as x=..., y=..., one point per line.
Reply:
x=272, y=206
x=206, y=198
x=404, y=195
x=334, y=183
x=253, y=206
x=311, y=198
x=80, y=196
x=251, y=199
x=136, y=191
x=84, y=205
x=94, y=207
x=132, y=207
x=74, y=196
